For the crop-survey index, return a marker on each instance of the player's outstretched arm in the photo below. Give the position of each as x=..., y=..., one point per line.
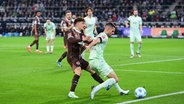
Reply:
x=94, y=42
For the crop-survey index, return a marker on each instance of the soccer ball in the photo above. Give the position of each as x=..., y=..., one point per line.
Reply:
x=140, y=92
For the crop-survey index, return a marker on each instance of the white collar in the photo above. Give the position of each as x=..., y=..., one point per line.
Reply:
x=67, y=19
x=77, y=30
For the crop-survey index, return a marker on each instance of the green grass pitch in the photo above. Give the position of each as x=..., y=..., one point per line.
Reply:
x=30, y=78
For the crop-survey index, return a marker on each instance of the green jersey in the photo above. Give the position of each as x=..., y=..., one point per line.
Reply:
x=90, y=22
x=96, y=52
x=50, y=28
x=135, y=22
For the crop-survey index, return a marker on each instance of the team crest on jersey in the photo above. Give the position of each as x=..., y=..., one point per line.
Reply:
x=77, y=63
x=103, y=37
x=69, y=34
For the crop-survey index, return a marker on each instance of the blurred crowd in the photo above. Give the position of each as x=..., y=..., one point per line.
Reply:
x=23, y=11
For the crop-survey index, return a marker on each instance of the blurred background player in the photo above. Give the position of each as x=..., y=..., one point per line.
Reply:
x=91, y=25
x=135, y=32
x=98, y=63
x=75, y=37
x=35, y=31
x=66, y=24
x=50, y=32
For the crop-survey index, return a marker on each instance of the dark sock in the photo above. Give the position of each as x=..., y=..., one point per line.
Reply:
x=97, y=78
x=74, y=82
x=62, y=56
x=33, y=43
x=37, y=44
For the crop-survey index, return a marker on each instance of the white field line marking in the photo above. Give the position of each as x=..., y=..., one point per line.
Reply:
x=148, y=62
x=151, y=71
x=153, y=97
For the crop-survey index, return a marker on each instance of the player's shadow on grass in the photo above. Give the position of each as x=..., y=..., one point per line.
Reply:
x=100, y=99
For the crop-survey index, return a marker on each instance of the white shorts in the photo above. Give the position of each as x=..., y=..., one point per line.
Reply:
x=50, y=36
x=136, y=38
x=101, y=67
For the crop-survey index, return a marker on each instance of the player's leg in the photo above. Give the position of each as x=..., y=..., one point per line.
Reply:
x=105, y=70
x=37, y=43
x=116, y=85
x=29, y=47
x=47, y=45
x=139, y=46
x=52, y=45
x=132, y=46
x=85, y=65
x=64, y=54
x=61, y=58
x=105, y=84
x=77, y=72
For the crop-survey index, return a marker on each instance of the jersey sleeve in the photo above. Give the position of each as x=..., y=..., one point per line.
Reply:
x=140, y=21
x=54, y=26
x=35, y=22
x=103, y=37
x=129, y=19
x=85, y=19
x=64, y=25
x=96, y=20
x=44, y=25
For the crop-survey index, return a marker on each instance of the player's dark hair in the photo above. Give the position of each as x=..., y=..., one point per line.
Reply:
x=89, y=8
x=47, y=19
x=110, y=24
x=37, y=11
x=78, y=20
x=67, y=11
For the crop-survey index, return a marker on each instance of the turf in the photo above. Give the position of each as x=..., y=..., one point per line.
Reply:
x=30, y=78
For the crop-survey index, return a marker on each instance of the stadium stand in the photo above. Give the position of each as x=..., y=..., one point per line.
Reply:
x=17, y=15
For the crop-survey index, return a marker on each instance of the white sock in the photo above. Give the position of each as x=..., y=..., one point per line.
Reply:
x=118, y=88
x=132, y=49
x=139, y=48
x=71, y=92
x=109, y=81
x=47, y=47
x=52, y=48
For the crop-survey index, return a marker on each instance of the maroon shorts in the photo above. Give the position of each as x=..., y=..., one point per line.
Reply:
x=76, y=62
x=33, y=33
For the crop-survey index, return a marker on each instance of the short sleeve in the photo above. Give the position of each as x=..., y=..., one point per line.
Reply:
x=129, y=18
x=96, y=20
x=140, y=21
x=54, y=26
x=64, y=25
x=44, y=25
x=103, y=37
